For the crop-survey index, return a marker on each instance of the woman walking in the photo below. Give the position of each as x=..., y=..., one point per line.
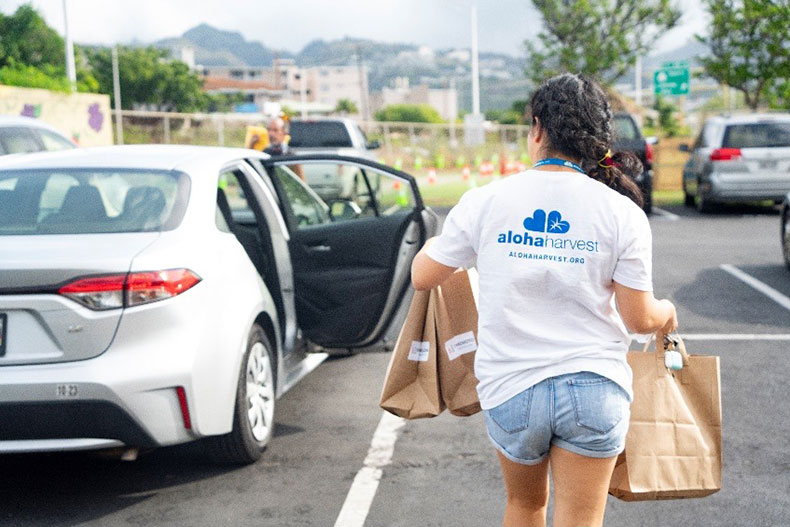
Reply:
x=559, y=249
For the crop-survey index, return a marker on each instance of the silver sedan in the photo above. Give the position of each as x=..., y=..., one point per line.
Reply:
x=154, y=295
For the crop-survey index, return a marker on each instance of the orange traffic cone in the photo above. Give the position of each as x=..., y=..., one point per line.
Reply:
x=466, y=173
x=431, y=176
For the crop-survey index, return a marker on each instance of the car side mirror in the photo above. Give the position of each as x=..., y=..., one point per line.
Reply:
x=373, y=145
x=651, y=140
x=684, y=147
x=344, y=209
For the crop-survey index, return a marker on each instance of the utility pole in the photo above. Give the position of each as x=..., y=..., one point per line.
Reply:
x=474, y=134
x=475, y=65
x=116, y=82
x=638, y=86
x=71, y=70
x=363, y=85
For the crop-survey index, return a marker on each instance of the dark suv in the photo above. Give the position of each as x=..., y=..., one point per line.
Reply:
x=628, y=138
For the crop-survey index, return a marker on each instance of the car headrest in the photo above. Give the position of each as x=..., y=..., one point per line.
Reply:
x=83, y=203
x=143, y=203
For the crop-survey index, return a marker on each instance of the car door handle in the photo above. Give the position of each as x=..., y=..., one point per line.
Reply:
x=319, y=248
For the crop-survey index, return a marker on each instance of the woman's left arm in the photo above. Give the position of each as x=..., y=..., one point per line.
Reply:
x=427, y=273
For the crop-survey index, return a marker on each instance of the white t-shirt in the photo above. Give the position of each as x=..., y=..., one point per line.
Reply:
x=547, y=246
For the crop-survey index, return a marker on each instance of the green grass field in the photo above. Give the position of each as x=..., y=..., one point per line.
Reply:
x=447, y=193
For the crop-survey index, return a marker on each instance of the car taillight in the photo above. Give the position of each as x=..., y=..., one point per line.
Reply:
x=649, y=153
x=725, y=154
x=121, y=290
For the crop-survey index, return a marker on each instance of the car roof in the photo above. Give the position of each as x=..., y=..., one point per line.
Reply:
x=7, y=121
x=140, y=157
x=750, y=118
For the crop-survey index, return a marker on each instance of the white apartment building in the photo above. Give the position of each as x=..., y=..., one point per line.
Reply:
x=323, y=85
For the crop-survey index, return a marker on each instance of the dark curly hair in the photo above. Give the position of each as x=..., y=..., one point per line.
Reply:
x=574, y=113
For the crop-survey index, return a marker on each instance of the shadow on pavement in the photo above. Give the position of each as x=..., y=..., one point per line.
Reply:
x=714, y=288
x=72, y=488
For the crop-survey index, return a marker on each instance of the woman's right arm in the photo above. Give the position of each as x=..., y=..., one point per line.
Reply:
x=643, y=313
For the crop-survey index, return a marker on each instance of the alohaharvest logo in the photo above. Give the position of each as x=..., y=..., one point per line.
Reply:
x=551, y=224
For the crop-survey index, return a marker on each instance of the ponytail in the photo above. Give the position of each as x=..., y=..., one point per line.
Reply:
x=620, y=174
x=574, y=112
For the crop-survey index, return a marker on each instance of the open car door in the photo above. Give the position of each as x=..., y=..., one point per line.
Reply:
x=355, y=227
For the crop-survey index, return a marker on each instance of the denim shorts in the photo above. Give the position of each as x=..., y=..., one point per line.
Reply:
x=582, y=412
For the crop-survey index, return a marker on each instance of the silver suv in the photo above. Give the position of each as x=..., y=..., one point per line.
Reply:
x=738, y=159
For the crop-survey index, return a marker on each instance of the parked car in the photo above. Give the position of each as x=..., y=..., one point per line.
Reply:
x=785, y=230
x=25, y=134
x=330, y=136
x=628, y=138
x=154, y=295
x=738, y=159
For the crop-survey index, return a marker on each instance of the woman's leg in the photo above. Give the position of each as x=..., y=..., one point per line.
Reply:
x=527, y=493
x=581, y=485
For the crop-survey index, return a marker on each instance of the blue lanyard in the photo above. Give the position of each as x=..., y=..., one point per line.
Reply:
x=559, y=162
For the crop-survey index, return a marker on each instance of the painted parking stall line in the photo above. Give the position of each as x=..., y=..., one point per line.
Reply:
x=360, y=496
x=751, y=281
x=665, y=214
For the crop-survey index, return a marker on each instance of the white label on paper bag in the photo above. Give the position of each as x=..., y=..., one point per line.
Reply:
x=419, y=351
x=460, y=345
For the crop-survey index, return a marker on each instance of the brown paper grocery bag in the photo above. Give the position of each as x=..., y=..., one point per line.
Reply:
x=456, y=324
x=673, y=447
x=411, y=386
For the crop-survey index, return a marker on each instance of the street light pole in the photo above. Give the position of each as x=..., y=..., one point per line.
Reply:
x=116, y=81
x=475, y=65
x=71, y=70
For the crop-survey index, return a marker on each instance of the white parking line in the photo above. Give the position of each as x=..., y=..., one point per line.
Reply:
x=765, y=289
x=363, y=489
x=735, y=336
x=666, y=214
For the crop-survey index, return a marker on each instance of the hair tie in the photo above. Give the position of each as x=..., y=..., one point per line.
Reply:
x=606, y=161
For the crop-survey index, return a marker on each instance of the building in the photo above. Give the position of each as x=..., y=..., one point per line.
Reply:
x=444, y=100
x=318, y=87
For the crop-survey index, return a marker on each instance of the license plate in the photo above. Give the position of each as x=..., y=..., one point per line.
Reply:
x=3, y=326
x=768, y=164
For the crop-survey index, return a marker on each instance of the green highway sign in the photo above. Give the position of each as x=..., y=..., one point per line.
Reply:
x=672, y=79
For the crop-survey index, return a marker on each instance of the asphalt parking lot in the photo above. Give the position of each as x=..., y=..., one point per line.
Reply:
x=725, y=273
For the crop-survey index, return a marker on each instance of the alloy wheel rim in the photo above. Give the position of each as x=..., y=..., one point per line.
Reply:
x=260, y=392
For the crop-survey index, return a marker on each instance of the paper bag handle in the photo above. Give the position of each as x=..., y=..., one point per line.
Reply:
x=666, y=343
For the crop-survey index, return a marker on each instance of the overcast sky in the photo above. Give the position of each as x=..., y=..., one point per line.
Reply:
x=290, y=24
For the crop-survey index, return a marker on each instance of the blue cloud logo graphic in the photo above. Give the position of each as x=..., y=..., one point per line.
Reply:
x=536, y=223
x=557, y=224
x=539, y=222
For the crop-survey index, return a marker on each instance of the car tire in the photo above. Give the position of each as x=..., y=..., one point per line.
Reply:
x=702, y=204
x=786, y=236
x=255, y=390
x=648, y=197
x=688, y=198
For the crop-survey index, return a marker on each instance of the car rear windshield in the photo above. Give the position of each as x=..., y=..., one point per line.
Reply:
x=757, y=135
x=318, y=134
x=91, y=201
x=625, y=129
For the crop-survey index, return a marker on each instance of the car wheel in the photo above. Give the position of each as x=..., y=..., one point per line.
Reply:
x=703, y=204
x=648, y=196
x=253, y=416
x=688, y=198
x=786, y=236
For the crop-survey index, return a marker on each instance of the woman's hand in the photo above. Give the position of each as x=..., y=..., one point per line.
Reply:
x=672, y=317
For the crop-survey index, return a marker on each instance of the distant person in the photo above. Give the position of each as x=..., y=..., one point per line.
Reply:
x=564, y=254
x=278, y=146
x=277, y=132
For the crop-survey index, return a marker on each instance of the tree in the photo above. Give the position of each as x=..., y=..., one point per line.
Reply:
x=346, y=106
x=667, y=119
x=409, y=113
x=599, y=38
x=147, y=77
x=749, y=46
x=25, y=38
